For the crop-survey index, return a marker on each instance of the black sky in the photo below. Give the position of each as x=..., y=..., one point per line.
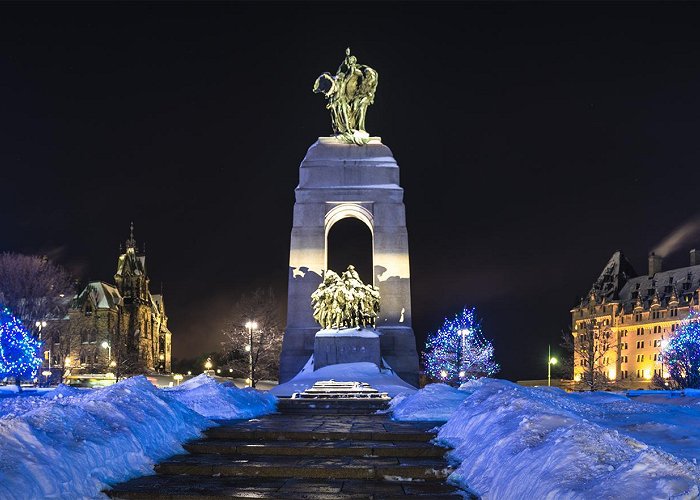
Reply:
x=534, y=140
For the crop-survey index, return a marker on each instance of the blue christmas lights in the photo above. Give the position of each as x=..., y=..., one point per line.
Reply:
x=682, y=353
x=458, y=352
x=19, y=351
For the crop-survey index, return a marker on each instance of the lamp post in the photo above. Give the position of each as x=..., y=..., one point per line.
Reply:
x=40, y=325
x=250, y=325
x=550, y=361
x=105, y=345
x=664, y=344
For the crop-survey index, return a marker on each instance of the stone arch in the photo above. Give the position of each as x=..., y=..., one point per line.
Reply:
x=347, y=211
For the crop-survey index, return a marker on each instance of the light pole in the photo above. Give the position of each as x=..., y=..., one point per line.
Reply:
x=250, y=325
x=550, y=361
x=40, y=325
x=664, y=344
x=105, y=345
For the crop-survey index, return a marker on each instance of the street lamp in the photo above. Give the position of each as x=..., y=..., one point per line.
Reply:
x=105, y=345
x=250, y=325
x=664, y=345
x=208, y=364
x=40, y=325
x=550, y=361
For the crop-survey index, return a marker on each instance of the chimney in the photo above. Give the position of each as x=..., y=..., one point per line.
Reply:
x=654, y=264
x=694, y=261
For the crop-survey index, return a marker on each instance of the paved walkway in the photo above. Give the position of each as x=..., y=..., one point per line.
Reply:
x=314, y=453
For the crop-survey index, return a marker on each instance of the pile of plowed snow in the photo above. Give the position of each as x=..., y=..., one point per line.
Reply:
x=72, y=443
x=222, y=399
x=522, y=442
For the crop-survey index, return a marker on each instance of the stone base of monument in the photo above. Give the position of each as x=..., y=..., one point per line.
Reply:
x=347, y=345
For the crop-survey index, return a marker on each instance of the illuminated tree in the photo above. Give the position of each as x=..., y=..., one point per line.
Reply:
x=682, y=353
x=19, y=352
x=458, y=351
x=590, y=344
x=255, y=316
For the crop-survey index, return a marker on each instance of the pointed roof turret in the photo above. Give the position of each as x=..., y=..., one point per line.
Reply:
x=131, y=242
x=613, y=277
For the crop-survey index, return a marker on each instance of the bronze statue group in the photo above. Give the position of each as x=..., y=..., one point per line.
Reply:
x=345, y=302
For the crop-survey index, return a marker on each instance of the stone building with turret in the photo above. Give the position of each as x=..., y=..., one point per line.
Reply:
x=640, y=312
x=120, y=327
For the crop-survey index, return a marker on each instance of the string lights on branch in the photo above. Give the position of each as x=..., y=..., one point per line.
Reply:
x=458, y=351
x=682, y=352
x=20, y=353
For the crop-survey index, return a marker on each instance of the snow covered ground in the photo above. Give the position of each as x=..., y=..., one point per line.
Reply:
x=73, y=443
x=382, y=380
x=524, y=442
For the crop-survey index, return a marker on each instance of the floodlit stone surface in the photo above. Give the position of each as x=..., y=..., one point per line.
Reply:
x=338, y=180
x=349, y=345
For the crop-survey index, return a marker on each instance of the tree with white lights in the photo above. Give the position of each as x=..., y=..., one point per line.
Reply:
x=458, y=351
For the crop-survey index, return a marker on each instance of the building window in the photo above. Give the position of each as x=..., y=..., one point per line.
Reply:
x=638, y=317
x=673, y=327
x=640, y=331
x=622, y=319
x=623, y=359
x=623, y=374
x=640, y=357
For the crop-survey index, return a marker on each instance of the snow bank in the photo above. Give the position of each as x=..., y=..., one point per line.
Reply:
x=222, y=400
x=435, y=402
x=74, y=443
x=382, y=380
x=521, y=442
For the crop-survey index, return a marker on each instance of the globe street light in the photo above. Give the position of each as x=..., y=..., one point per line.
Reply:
x=550, y=361
x=250, y=325
x=208, y=364
x=105, y=345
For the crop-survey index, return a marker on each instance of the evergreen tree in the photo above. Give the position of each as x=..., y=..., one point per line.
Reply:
x=682, y=353
x=458, y=351
x=19, y=351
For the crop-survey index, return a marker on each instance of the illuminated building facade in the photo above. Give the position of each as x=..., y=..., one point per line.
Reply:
x=116, y=323
x=641, y=312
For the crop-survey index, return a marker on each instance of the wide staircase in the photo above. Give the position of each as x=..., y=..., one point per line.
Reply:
x=314, y=448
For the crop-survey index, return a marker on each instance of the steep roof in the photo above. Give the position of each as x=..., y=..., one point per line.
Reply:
x=130, y=264
x=616, y=273
x=680, y=284
x=102, y=295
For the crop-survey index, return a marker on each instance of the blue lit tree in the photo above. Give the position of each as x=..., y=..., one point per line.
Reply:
x=458, y=351
x=682, y=353
x=19, y=352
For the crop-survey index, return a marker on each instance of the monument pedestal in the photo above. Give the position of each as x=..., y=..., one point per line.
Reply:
x=347, y=345
x=338, y=180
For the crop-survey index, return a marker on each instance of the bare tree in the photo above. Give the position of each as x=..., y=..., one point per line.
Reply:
x=253, y=336
x=67, y=337
x=590, y=345
x=33, y=288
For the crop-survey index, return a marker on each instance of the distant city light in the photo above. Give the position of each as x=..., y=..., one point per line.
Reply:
x=443, y=373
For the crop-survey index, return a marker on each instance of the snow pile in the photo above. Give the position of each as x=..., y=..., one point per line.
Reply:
x=382, y=380
x=435, y=402
x=222, y=400
x=74, y=443
x=520, y=442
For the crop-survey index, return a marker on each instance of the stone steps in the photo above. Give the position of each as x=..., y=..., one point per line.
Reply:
x=304, y=453
x=164, y=487
x=332, y=406
x=347, y=448
x=378, y=468
x=267, y=435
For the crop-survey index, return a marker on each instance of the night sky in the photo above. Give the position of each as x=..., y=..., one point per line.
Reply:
x=533, y=141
